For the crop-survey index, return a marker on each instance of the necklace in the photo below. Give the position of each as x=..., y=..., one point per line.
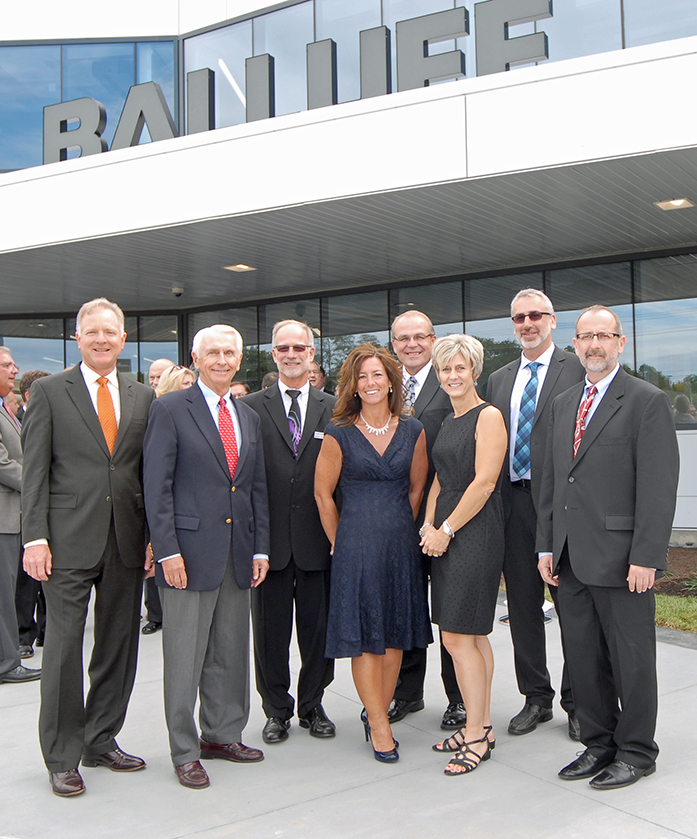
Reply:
x=376, y=431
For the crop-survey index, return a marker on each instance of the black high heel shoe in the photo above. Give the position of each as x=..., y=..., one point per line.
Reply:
x=383, y=757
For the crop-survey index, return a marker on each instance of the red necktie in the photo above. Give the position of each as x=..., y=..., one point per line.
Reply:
x=583, y=408
x=106, y=413
x=227, y=435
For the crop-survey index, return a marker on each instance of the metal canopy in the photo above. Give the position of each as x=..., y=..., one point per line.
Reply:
x=549, y=216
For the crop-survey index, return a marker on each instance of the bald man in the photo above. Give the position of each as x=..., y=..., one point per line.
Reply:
x=157, y=368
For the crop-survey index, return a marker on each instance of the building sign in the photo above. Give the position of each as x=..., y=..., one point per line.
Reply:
x=146, y=105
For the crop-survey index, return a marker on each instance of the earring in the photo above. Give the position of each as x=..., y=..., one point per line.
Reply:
x=390, y=390
x=355, y=394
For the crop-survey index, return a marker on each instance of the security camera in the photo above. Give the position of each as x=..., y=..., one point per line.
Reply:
x=177, y=291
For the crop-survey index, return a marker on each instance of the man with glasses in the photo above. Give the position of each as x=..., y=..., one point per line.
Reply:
x=412, y=341
x=11, y=668
x=293, y=418
x=523, y=391
x=606, y=510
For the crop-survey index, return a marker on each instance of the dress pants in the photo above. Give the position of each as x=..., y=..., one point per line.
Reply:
x=68, y=726
x=525, y=593
x=611, y=653
x=9, y=640
x=272, y=614
x=412, y=673
x=205, y=643
x=29, y=599
x=152, y=601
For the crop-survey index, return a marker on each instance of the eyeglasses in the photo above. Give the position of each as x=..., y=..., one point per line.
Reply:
x=404, y=339
x=9, y=365
x=603, y=337
x=533, y=316
x=297, y=348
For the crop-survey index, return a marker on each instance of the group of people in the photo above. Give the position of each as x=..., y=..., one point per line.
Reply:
x=335, y=513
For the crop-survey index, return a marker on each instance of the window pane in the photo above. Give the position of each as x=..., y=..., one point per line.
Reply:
x=245, y=322
x=284, y=35
x=582, y=27
x=29, y=80
x=158, y=339
x=441, y=302
x=35, y=345
x=488, y=318
x=155, y=63
x=666, y=325
x=648, y=22
x=342, y=22
x=103, y=71
x=224, y=51
x=348, y=321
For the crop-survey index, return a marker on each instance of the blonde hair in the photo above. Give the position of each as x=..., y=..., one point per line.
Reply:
x=94, y=306
x=445, y=349
x=172, y=379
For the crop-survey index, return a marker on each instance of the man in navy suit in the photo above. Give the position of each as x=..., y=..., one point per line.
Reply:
x=207, y=508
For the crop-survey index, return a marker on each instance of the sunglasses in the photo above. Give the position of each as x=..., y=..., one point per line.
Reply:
x=297, y=348
x=533, y=316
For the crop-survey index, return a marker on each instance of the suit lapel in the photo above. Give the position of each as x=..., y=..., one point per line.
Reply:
x=127, y=396
x=7, y=421
x=243, y=448
x=77, y=391
x=609, y=406
x=315, y=405
x=201, y=414
x=427, y=392
x=277, y=412
x=509, y=381
x=555, y=367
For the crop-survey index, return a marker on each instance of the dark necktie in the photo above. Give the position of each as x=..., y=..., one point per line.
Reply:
x=526, y=417
x=227, y=435
x=294, y=419
x=583, y=408
x=106, y=413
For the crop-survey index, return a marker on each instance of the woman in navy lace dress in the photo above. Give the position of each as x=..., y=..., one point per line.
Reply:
x=377, y=607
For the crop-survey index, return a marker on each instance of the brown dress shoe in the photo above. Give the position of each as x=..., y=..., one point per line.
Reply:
x=116, y=760
x=66, y=783
x=236, y=752
x=192, y=775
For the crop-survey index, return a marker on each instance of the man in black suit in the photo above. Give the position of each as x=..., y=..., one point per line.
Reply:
x=606, y=510
x=412, y=341
x=523, y=391
x=293, y=418
x=205, y=494
x=83, y=526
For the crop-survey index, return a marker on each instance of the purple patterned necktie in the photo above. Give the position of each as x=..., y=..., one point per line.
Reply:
x=294, y=419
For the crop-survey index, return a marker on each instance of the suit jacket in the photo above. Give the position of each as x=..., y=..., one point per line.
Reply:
x=614, y=503
x=564, y=371
x=194, y=507
x=10, y=474
x=296, y=529
x=72, y=486
x=431, y=408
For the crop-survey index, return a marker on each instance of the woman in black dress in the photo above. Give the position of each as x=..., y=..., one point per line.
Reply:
x=463, y=527
x=377, y=606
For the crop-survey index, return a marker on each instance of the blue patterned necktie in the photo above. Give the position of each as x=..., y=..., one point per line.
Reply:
x=410, y=391
x=526, y=417
x=294, y=419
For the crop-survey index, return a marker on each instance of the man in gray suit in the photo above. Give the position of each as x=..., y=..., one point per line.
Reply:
x=412, y=341
x=83, y=526
x=523, y=391
x=11, y=670
x=205, y=493
x=607, y=502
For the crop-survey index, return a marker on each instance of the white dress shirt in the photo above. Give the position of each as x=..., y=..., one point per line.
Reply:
x=302, y=399
x=90, y=377
x=420, y=377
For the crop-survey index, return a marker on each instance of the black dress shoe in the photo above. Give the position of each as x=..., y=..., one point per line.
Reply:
x=620, y=774
x=20, y=674
x=116, y=760
x=318, y=722
x=527, y=720
x=65, y=784
x=401, y=707
x=574, y=728
x=26, y=651
x=455, y=716
x=39, y=642
x=586, y=765
x=275, y=730
x=151, y=628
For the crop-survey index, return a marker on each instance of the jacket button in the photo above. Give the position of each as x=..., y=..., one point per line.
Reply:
x=233, y=489
x=108, y=498
x=228, y=521
x=571, y=480
x=112, y=467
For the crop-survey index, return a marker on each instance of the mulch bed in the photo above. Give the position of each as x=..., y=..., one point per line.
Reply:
x=682, y=566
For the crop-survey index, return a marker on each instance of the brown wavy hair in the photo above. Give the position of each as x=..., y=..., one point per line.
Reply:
x=348, y=404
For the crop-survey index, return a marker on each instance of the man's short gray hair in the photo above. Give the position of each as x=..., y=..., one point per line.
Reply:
x=283, y=323
x=412, y=312
x=445, y=349
x=597, y=307
x=533, y=292
x=94, y=306
x=218, y=329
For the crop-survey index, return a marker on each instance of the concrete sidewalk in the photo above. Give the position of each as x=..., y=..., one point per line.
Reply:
x=321, y=789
